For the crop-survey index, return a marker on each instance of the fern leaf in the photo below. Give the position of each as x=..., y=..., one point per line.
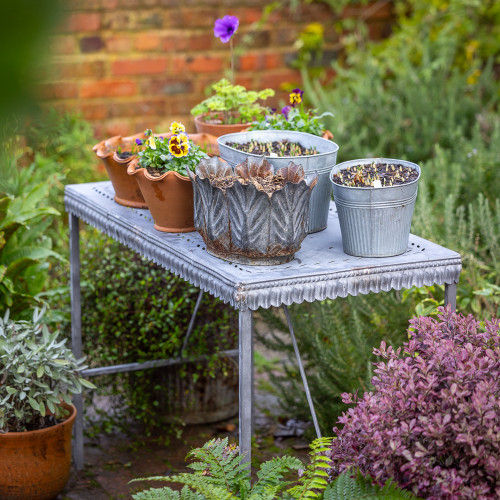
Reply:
x=351, y=485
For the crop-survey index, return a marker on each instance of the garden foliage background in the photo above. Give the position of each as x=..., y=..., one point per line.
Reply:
x=428, y=93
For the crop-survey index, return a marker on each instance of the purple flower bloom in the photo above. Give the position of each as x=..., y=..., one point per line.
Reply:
x=138, y=142
x=286, y=110
x=226, y=27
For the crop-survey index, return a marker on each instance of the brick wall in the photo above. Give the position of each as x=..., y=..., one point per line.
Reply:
x=128, y=65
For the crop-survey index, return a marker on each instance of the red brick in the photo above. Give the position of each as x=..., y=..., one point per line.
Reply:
x=119, y=44
x=272, y=61
x=198, y=64
x=277, y=79
x=119, y=20
x=247, y=62
x=374, y=10
x=57, y=90
x=77, y=70
x=109, y=4
x=176, y=42
x=107, y=88
x=91, y=44
x=167, y=86
x=139, y=66
x=94, y=111
x=149, y=107
x=147, y=41
x=117, y=127
x=246, y=81
x=81, y=22
x=63, y=45
x=199, y=17
x=200, y=41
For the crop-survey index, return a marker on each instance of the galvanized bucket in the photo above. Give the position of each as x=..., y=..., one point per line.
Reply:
x=320, y=164
x=375, y=222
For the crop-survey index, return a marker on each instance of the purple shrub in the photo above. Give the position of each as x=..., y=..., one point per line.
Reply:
x=432, y=422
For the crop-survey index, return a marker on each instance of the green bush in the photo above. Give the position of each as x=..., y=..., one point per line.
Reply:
x=136, y=311
x=335, y=339
x=25, y=250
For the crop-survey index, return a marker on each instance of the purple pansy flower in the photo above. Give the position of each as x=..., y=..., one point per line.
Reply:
x=138, y=142
x=286, y=110
x=226, y=27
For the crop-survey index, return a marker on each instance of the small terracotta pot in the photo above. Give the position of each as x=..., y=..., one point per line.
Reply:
x=217, y=129
x=169, y=198
x=127, y=191
x=35, y=465
x=327, y=135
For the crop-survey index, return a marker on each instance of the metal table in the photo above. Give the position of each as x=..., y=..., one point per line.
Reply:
x=320, y=270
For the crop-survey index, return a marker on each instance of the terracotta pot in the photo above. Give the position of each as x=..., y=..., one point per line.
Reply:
x=35, y=465
x=169, y=198
x=327, y=135
x=127, y=191
x=217, y=129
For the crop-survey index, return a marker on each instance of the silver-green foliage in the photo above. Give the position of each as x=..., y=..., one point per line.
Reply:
x=37, y=373
x=220, y=473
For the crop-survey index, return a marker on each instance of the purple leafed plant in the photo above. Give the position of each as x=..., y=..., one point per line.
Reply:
x=432, y=422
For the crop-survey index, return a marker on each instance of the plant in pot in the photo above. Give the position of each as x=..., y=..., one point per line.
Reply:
x=316, y=155
x=161, y=171
x=37, y=375
x=230, y=109
x=375, y=201
x=294, y=117
x=251, y=214
x=116, y=153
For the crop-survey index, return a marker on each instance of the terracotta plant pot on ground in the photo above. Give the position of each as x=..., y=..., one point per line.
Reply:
x=35, y=465
x=216, y=127
x=169, y=198
x=127, y=190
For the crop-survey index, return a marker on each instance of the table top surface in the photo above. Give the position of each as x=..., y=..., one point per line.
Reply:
x=320, y=270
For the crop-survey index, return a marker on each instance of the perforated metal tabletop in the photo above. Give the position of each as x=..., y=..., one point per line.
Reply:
x=320, y=270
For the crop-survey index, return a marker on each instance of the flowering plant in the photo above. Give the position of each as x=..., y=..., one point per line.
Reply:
x=232, y=103
x=432, y=421
x=293, y=117
x=224, y=29
x=177, y=152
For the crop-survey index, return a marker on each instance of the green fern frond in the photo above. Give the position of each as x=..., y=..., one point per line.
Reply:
x=352, y=484
x=270, y=477
x=168, y=494
x=314, y=479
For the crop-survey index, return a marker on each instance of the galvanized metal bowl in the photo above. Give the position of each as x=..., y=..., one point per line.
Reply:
x=242, y=223
x=320, y=164
x=375, y=222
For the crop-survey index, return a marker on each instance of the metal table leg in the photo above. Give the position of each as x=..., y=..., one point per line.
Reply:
x=302, y=372
x=246, y=384
x=76, y=331
x=450, y=295
x=191, y=323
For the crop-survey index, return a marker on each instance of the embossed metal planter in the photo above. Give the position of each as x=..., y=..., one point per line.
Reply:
x=320, y=165
x=242, y=223
x=375, y=222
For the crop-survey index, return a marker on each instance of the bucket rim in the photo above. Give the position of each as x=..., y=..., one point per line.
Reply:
x=284, y=132
x=350, y=163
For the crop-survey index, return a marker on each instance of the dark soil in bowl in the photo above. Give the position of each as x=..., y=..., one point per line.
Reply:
x=268, y=184
x=389, y=174
x=276, y=148
x=124, y=155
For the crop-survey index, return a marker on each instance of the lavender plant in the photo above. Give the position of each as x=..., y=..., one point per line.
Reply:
x=432, y=422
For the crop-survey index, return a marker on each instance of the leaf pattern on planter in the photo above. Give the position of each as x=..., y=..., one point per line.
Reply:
x=249, y=217
x=241, y=220
x=290, y=216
